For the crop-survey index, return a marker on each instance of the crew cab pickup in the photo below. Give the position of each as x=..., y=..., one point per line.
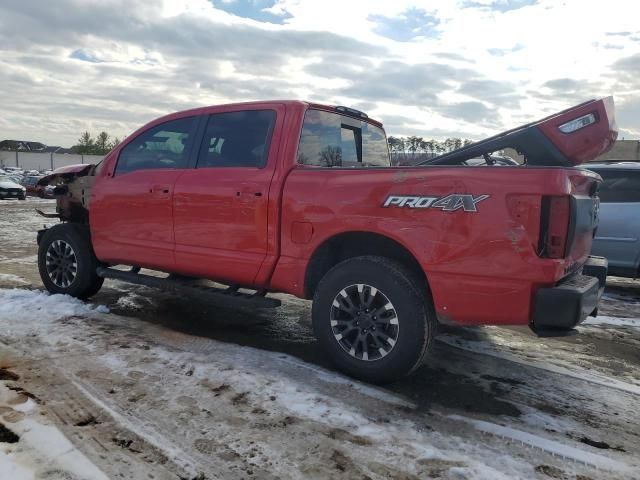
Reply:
x=301, y=198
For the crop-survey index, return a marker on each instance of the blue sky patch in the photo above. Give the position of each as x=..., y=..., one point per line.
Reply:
x=411, y=23
x=85, y=55
x=253, y=9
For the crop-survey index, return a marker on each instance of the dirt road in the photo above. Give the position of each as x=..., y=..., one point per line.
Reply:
x=142, y=384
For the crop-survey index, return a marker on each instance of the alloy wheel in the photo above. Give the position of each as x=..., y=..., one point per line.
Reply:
x=364, y=322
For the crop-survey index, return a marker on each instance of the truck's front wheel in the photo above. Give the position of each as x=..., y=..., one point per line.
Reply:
x=66, y=261
x=373, y=318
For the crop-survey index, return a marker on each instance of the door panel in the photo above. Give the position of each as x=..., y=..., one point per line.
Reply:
x=131, y=212
x=132, y=221
x=221, y=206
x=221, y=222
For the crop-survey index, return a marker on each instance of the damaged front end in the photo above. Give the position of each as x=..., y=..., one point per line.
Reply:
x=72, y=192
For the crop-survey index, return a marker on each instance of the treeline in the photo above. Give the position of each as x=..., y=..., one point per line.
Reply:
x=102, y=144
x=415, y=144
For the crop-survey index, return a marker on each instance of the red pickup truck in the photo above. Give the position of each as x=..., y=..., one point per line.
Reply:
x=301, y=198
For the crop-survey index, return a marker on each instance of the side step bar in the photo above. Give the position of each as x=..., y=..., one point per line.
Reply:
x=229, y=295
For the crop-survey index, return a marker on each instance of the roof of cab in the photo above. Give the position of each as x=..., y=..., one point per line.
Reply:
x=319, y=106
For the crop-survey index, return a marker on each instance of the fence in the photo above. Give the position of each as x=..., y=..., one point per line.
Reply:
x=43, y=161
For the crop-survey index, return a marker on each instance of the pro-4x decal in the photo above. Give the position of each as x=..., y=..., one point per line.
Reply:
x=450, y=203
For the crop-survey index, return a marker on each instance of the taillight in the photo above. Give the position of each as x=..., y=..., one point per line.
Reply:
x=554, y=226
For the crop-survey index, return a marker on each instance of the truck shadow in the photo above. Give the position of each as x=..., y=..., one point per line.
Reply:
x=448, y=379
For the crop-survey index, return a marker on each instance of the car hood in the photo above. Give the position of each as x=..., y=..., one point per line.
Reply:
x=6, y=184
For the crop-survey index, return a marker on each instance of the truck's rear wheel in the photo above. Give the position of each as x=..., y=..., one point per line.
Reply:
x=373, y=318
x=66, y=261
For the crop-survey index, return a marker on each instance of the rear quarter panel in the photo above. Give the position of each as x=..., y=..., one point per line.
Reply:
x=481, y=266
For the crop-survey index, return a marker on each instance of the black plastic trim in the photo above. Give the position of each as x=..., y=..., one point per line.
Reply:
x=181, y=285
x=571, y=301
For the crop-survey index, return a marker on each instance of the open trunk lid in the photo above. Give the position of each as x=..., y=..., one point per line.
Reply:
x=564, y=139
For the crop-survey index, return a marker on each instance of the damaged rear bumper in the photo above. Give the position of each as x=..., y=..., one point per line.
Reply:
x=560, y=308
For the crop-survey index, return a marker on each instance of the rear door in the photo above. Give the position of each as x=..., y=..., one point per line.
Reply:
x=131, y=210
x=221, y=205
x=618, y=235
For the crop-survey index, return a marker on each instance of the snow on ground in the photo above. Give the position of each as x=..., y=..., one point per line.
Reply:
x=37, y=306
x=181, y=394
x=257, y=377
x=615, y=321
x=10, y=279
x=39, y=450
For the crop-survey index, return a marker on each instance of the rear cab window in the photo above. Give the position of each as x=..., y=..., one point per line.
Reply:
x=333, y=140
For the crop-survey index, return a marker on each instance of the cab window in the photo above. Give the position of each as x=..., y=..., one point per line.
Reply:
x=163, y=146
x=333, y=140
x=237, y=139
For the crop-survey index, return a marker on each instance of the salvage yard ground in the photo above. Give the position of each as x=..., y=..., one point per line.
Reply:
x=140, y=384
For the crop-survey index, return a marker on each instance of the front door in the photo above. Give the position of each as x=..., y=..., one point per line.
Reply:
x=131, y=208
x=221, y=206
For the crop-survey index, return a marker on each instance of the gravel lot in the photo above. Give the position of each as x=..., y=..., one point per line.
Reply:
x=143, y=384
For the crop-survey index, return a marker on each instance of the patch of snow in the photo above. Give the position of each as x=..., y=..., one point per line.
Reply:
x=25, y=407
x=332, y=377
x=37, y=306
x=133, y=301
x=547, y=445
x=143, y=429
x=28, y=260
x=41, y=450
x=52, y=445
x=11, y=469
x=10, y=278
x=486, y=348
x=615, y=321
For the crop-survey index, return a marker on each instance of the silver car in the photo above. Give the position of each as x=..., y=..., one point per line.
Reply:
x=618, y=234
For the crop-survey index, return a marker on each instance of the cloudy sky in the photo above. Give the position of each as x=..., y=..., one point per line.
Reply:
x=433, y=68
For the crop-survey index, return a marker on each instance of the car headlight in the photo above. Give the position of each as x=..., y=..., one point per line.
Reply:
x=24, y=189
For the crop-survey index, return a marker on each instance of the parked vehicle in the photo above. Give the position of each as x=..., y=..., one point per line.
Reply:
x=30, y=183
x=301, y=198
x=618, y=234
x=10, y=189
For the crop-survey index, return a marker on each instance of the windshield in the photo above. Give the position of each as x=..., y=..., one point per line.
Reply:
x=4, y=178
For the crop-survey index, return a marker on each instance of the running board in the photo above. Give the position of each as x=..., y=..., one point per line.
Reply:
x=229, y=295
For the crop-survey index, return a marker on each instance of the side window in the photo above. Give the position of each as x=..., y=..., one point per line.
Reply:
x=237, y=139
x=163, y=146
x=334, y=140
x=619, y=187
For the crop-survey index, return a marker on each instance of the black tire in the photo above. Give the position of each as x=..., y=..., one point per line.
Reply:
x=81, y=281
x=412, y=330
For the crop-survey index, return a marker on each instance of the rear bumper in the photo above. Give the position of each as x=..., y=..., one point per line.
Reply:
x=571, y=301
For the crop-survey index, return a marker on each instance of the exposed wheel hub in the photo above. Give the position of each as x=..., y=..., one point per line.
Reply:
x=364, y=322
x=61, y=263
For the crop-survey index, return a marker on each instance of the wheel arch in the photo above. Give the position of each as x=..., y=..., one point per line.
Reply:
x=345, y=245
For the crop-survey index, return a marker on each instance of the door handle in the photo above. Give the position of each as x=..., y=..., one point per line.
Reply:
x=248, y=192
x=162, y=191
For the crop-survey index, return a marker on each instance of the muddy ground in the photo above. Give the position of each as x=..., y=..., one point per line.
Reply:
x=168, y=387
